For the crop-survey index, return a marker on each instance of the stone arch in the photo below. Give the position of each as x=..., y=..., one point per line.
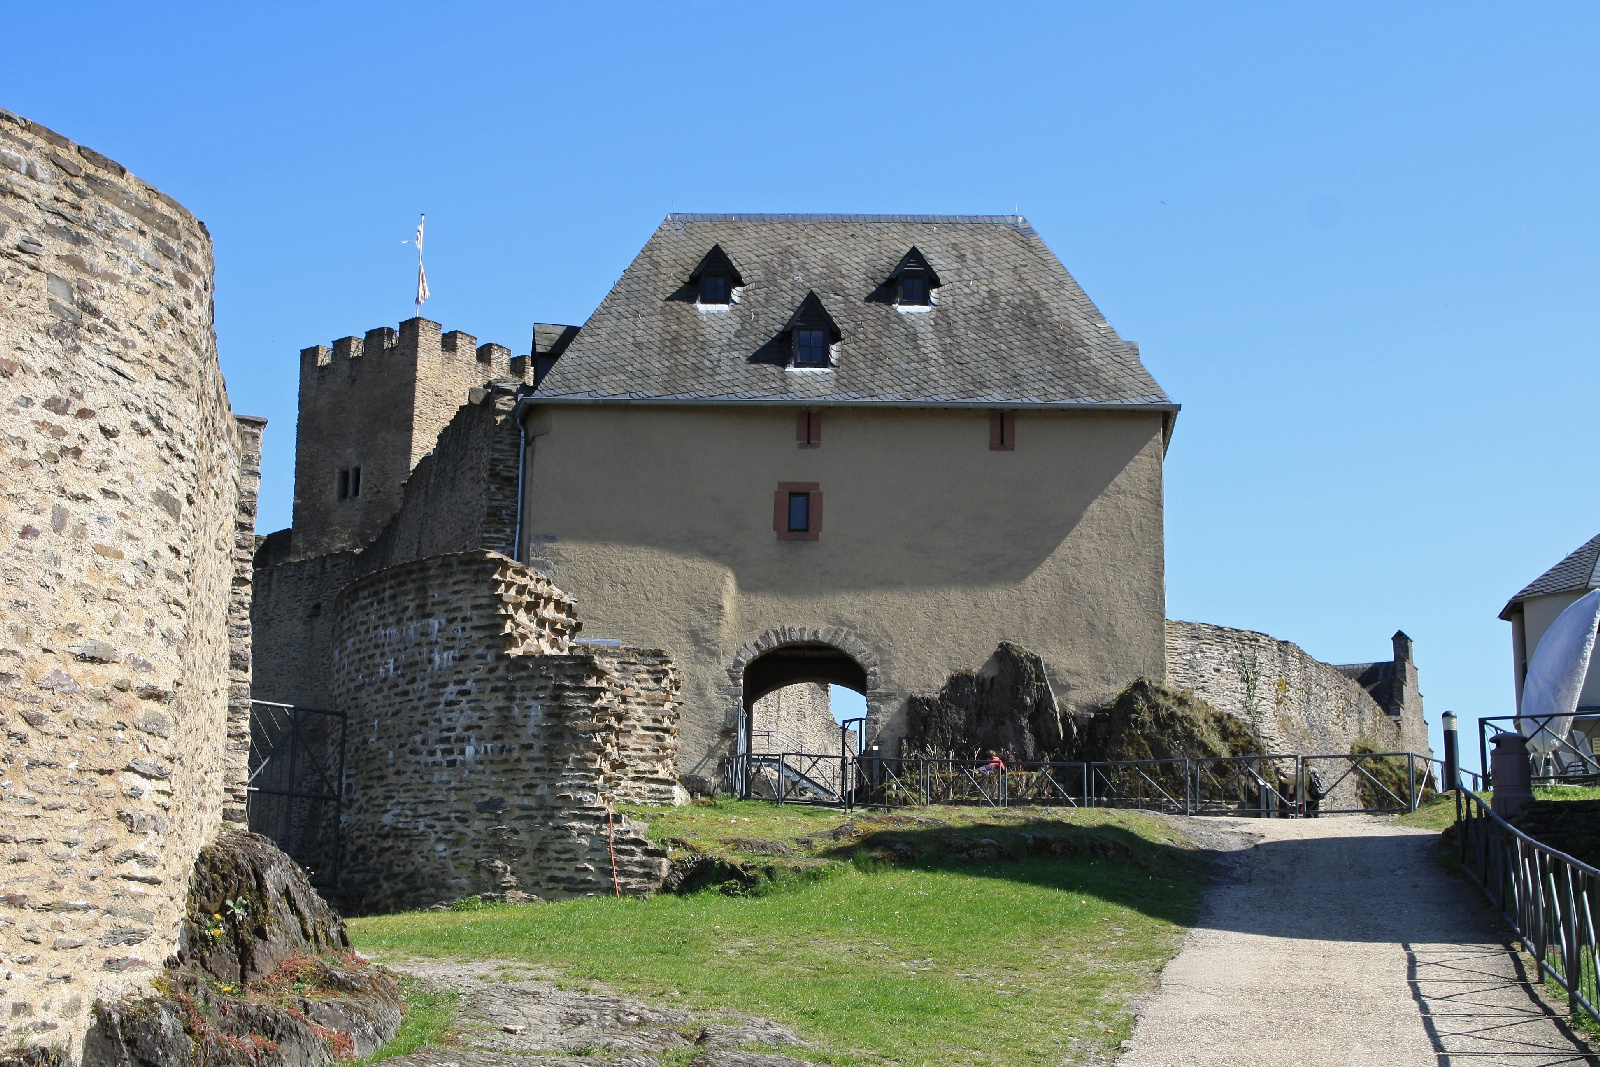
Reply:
x=832, y=655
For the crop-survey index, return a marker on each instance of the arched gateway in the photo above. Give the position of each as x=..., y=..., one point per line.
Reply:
x=790, y=655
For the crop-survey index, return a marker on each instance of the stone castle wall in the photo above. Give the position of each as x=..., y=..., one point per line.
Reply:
x=1295, y=703
x=796, y=718
x=378, y=403
x=462, y=496
x=126, y=508
x=484, y=749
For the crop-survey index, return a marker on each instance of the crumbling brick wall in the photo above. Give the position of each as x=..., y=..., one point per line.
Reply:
x=485, y=749
x=124, y=654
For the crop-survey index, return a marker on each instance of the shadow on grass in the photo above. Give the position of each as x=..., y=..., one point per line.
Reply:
x=1106, y=861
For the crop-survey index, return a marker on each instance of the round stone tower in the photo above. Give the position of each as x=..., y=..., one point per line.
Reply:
x=127, y=523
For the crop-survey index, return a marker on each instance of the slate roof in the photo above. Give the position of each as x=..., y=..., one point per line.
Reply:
x=1575, y=574
x=1011, y=326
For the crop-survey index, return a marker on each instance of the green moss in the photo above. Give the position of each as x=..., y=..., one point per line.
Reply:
x=1389, y=775
x=1150, y=721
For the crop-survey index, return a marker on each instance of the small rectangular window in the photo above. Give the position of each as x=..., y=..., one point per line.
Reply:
x=811, y=348
x=344, y=484
x=914, y=291
x=797, y=511
x=1002, y=431
x=808, y=429
x=355, y=481
x=713, y=289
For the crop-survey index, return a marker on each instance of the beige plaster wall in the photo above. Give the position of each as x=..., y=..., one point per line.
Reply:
x=933, y=549
x=1538, y=613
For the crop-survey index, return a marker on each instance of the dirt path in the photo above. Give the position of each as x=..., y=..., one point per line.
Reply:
x=1340, y=941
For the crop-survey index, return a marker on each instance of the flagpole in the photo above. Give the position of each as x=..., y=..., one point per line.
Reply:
x=422, y=277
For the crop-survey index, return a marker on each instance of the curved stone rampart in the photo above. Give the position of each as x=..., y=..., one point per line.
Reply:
x=485, y=752
x=126, y=509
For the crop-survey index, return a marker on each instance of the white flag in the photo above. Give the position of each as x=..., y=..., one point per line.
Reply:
x=422, y=276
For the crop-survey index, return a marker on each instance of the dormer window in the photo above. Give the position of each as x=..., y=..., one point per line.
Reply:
x=715, y=279
x=714, y=289
x=810, y=348
x=811, y=333
x=913, y=281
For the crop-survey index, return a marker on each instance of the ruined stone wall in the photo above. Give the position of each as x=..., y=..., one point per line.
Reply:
x=462, y=496
x=291, y=620
x=796, y=718
x=125, y=640
x=1295, y=703
x=378, y=403
x=482, y=754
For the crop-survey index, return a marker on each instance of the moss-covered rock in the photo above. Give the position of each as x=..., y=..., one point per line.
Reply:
x=1005, y=706
x=1150, y=721
x=264, y=977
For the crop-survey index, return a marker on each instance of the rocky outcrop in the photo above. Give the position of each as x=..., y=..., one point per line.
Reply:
x=1150, y=721
x=264, y=977
x=1006, y=706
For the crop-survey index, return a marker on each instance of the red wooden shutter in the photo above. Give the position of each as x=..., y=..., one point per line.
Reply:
x=814, y=527
x=808, y=429
x=780, y=511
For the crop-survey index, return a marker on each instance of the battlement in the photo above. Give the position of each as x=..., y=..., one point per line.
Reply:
x=415, y=340
x=370, y=408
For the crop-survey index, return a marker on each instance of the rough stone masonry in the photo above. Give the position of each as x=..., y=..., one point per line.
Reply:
x=127, y=514
x=486, y=751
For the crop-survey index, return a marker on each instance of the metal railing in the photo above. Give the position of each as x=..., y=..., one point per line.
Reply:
x=1272, y=786
x=1571, y=758
x=1549, y=898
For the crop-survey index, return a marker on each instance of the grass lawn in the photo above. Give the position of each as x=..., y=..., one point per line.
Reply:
x=1440, y=812
x=925, y=958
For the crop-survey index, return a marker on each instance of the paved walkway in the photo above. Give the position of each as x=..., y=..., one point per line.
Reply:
x=1339, y=941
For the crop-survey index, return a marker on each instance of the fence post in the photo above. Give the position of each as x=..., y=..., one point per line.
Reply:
x=1411, y=781
x=1571, y=962
x=294, y=737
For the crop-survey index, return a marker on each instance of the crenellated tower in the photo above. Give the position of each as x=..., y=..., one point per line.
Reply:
x=370, y=408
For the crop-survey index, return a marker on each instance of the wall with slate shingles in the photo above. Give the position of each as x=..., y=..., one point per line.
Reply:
x=380, y=403
x=933, y=549
x=484, y=750
x=127, y=515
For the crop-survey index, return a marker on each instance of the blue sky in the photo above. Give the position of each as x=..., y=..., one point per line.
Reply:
x=1356, y=241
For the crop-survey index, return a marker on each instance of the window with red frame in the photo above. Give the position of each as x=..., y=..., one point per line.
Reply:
x=797, y=511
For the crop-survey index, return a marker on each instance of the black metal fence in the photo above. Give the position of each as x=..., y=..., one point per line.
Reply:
x=1287, y=785
x=297, y=783
x=1566, y=757
x=1549, y=898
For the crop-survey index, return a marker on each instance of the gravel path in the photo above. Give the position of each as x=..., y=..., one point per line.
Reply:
x=1339, y=941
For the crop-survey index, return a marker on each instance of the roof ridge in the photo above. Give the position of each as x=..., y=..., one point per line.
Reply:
x=1577, y=571
x=1012, y=221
